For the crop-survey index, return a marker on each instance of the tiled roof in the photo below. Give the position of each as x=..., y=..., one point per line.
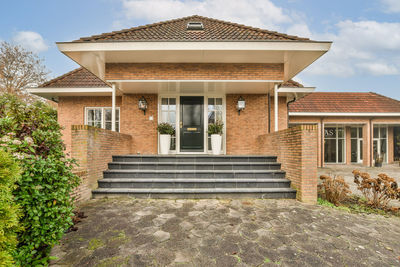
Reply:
x=175, y=30
x=344, y=102
x=292, y=84
x=78, y=78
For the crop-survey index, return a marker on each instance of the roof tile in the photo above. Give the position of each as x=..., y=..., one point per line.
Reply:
x=78, y=78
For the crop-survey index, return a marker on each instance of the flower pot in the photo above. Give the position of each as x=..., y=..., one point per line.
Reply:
x=378, y=164
x=216, y=143
x=165, y=143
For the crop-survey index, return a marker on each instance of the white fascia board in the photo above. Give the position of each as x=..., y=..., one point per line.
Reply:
x=143, y=46
x=296, y=89
x=344, y=114
x=69, y=90
x=203, y=81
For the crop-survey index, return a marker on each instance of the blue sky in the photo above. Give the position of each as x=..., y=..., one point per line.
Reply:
x=366, y=33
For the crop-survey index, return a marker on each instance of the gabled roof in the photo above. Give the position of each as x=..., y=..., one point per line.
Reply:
x=345, y=102
x=78, y=78
x=175, y=30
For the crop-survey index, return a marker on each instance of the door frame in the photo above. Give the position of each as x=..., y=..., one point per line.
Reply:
x=205, y=117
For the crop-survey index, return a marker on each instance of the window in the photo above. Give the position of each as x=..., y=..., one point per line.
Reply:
x=214, y=111
x=334, y=144
x=195, y=26
x=380, y=141
x=168, y=114
x=101, y=117
x=356, y=139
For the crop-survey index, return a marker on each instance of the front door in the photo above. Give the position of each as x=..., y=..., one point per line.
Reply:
x=191, y=124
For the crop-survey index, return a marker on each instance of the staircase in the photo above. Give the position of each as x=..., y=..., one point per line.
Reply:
x=194, y=176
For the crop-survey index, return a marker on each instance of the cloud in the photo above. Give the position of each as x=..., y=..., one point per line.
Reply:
x=32, y=41
x=362, y=47
x=258, y=13
x=391, y=6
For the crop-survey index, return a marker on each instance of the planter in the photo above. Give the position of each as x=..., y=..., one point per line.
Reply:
x=378, y=164
x=216, y=143
x=165, y=143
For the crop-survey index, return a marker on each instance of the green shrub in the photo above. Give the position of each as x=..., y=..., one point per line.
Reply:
x=215, y=128
x=165, y=128
x=9, y=211
x=31, y=134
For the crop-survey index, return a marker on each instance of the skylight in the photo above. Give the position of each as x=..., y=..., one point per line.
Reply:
x=195, y=26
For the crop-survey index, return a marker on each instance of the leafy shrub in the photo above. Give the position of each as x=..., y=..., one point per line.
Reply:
x=165, y=128
x=9, y=211
x=31, y=134
x=378, y=191
x=215, y=128
x=334, y=189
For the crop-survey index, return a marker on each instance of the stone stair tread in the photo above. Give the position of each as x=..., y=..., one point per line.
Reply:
x=196, y=156
x=191, y=171
x=198, y=163
x=194, y=180
x=193, y=190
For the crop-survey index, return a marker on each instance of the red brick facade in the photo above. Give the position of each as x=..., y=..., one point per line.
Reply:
x=193, y=71
x=296, y=149
x=93, y=148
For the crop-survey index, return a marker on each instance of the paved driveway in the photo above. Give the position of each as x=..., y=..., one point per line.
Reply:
x=128, y=232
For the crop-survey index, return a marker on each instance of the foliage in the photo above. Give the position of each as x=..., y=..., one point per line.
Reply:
x=19, y=69
x=378, y=191
x=215, y=128
x=165, y=128
x=333, y=189
x=31, y=134
x=9, y=211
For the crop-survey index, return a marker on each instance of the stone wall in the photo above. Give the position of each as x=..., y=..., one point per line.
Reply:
x=93, y=149
x=296, y=149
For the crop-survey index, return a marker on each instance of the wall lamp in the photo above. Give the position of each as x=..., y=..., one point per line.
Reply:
x=143, y=104
x=241, y=104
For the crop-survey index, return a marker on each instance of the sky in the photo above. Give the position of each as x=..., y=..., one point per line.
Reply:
x=365, y=55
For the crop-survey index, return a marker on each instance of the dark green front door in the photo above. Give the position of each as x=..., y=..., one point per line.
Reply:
x=192, y=124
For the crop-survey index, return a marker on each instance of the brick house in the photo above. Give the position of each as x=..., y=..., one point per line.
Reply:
x=193, y=67
x=353, y=128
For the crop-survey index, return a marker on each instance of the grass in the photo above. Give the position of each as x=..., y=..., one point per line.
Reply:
x=356, y=204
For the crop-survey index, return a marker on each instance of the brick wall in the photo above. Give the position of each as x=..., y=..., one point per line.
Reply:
x=193, y=71
x=242, y=131
x=93, y=149
x=296, y=149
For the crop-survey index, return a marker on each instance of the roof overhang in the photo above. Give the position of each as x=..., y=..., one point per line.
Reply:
x=344, y=114
x=293, y=93
x=54, y=93
x=295, y=55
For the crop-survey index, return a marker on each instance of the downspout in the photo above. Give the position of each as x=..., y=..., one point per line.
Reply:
x=371, y=142
x=322, y=142
x=269, y=112
x=287, y=108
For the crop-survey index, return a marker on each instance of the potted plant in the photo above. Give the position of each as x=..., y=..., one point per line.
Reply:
x=378, y=161
x=215, y=130
x=166, y=131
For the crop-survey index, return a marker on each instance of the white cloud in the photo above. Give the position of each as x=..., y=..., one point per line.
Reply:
x=363, y=47
x=258, y=13
x=391, y=6
x=32, y=41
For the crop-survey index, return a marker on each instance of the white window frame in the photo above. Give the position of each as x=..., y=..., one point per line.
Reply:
x=337, y=143
x=358, y=140
x=205, y=119
x=103, y=116
x=378, y=139
x=160, y=111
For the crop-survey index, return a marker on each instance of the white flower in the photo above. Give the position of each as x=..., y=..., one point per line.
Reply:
x=18, y=156
x=5, y=139
x=17, y=142
x=29, y=140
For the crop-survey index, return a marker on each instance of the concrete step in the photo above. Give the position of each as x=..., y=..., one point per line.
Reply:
x=193, y=183
x=192, y=158
x=194, y=166
x=196, y=192
x=194, y=174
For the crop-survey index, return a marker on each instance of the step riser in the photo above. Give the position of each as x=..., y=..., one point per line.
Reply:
x=274, y=195
x=136, y=166
x=193, y=159
x=193, y=185
x=193, y=175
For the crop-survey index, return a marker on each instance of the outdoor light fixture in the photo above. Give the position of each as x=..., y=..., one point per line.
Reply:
x=241, y=104
x=143, y=104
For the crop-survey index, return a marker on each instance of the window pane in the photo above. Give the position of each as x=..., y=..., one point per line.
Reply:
x=330, y=150
x=90, y=115
x=376, y=132
x=117, y=114
x=108, y=125
x=383, y=132
x=164, y=104
x=211, y=117
x=171, y=117
x=172, y=101
x=354, y=150
x=97, y=115
x=340, y=132
x=330, y=132
x=361, y=149
x=211, y=101
x=219, y=116
x=108, y=114
x=353, y=132
x=164, y=116
x=360, y=132
x=340, y=151
x=218, y=101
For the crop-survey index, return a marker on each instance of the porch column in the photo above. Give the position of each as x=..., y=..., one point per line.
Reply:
x=113, y=108
x=276, y=107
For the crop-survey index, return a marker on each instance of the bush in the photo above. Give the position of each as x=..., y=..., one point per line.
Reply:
x=31, y=134
x=9, y=211
x=378, y=191
x=165, y=128
x=215, y=128
x=334, y=189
